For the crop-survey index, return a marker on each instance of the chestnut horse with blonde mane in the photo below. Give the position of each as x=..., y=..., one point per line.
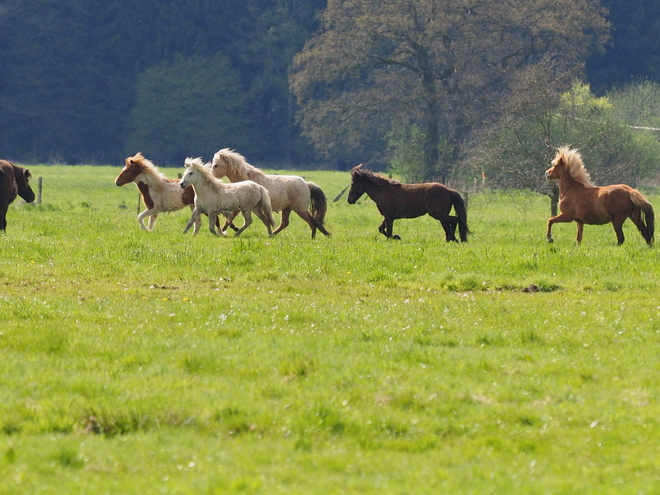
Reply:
x=287, y=192
x=585, y=203
x=396, y=200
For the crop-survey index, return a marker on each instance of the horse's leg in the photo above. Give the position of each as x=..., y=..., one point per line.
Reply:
x=580, y=229
x=194, y=219
x=284, y=221
x=389, y=227
x=449, y=224
x=382, y=228
x=213, y=220
x=152, y=222
x=559, y=218
x=311, y=221
x=229, y=221
x=3, y=217
x=198, y=222
x=145, y=214
x=617, y=223
x=247, y=216
x=257, y=211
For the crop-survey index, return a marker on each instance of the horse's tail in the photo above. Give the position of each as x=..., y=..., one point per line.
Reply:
x=266, y=208
x=643, y=211
x=318, y=205
x=459, y=205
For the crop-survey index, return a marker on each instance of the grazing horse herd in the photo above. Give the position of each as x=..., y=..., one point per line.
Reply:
x=252, y=191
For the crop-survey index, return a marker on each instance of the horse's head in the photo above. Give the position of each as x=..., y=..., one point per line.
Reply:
x=357, y=185
x=131, y=169
x=23, y=177
x=220, y=165
x=193, y=171
x=228, y=163
x=557, y=168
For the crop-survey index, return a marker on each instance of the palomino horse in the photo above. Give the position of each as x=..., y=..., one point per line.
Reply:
x=396, y=200
x=158, y=193
x=287, y=192
x=13, y=182
x=583, y=202
x=212, y=196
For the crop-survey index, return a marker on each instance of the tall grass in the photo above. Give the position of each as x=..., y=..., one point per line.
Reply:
x=145, y=362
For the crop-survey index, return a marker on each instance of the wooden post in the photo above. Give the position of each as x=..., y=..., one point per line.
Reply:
x=39, y=189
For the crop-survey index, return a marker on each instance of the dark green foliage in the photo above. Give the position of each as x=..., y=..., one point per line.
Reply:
x=72, y=72
x=633, y=54
x=79, y=78
x=190, y=107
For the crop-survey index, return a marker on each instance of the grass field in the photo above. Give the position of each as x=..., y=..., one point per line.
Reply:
x=155, y=362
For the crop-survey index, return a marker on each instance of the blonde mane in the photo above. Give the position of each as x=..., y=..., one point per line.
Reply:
x=574, y=165
x=237, y=165
x=205, y=170
x=146, y=166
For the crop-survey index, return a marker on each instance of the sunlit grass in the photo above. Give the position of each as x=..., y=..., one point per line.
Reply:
x=142, y=362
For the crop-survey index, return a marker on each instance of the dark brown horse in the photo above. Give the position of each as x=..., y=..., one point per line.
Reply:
x=396, y=200
x=14, y=181
x=583, y=202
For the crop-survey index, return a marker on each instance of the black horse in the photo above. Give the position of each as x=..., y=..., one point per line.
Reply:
x=396, y=200
x=13, y=182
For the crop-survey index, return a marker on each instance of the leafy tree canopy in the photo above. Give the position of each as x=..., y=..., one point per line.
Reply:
x=378, y=66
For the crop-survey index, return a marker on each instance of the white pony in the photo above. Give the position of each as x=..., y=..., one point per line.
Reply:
x=212, y=196
x=287, y=192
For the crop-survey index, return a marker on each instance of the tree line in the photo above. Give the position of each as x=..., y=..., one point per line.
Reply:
x=95, y=80
x=421, y=84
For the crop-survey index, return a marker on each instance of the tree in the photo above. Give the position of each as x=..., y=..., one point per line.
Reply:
x=70, y=71
x=380, y=65
x=189, y=107
x=515, y=151
x=637, y=104
x=634, y=52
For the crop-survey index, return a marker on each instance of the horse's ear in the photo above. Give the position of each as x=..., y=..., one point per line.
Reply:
x=355, y=169
x=133, y=159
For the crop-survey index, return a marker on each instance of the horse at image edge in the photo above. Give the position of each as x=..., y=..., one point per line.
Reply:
x=585, y=203
x=14, y=181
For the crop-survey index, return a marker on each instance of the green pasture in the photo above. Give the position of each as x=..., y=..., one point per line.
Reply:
x=141, y=362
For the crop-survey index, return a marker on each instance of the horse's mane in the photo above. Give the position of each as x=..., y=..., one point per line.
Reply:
x=146, y=166
x=236, y=164
x=375, y=179
x=204, y=169
x=574, y=165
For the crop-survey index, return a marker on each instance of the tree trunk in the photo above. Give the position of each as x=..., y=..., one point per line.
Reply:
x=554, y=200
x=432, y=129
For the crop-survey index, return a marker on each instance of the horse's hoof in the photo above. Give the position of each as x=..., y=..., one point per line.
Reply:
x=395, y=237
x=550, y=241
